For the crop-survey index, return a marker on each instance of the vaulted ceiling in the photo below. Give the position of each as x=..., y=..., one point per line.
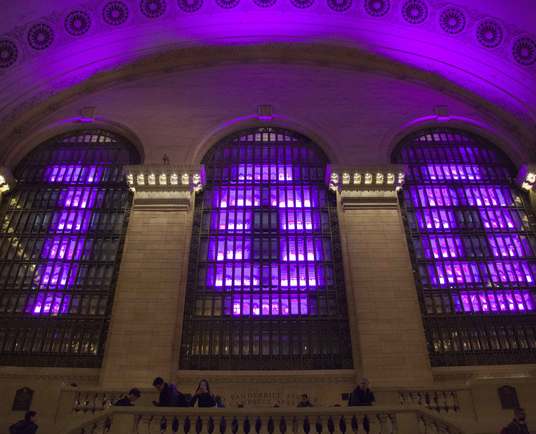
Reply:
x=482, y=52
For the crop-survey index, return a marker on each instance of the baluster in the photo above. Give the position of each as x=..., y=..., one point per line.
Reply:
x=258, y=425
x=234, y=425
x=282, y=425
x=456, y=402
x=318, y=425
x=270, y=425
x=210, y=425
x=342, y=425
x=223, y=425
x=247, y=425
x=163, y=424
x=137, y=420
x=331, y=425
x=175, y=425
x=295, y=424
x=354, y=424
x=186, y=425
x=435, y=399
x=306, y=425
x=198, y=425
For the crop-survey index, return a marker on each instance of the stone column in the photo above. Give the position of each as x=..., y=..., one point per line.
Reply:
x=388, y=335
x=144, y=337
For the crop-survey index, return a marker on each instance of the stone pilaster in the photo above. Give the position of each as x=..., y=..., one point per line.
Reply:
x=388, y=336
x=144, y=337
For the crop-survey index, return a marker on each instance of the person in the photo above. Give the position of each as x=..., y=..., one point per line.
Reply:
x=518, y=425
x=26, y=425
x=305, y=401
x=169, y=395
x=202, y=396
x=130, y=399
x=362, y=395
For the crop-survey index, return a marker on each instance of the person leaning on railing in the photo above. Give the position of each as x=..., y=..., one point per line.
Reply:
x=169, y=395
x=362, y=396
x=518, y=425
x=129, y=399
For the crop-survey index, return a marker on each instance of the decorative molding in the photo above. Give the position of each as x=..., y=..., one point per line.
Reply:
x=6, y=180
x=526, y=176
x=366, y=187
x=164, y=187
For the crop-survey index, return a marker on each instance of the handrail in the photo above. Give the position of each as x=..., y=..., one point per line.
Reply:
x=148, y=420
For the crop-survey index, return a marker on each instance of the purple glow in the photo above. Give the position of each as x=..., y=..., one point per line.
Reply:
x=266, y=275
x=442, y=205
x=493, y=301
x=451, y=172
x=62, y=253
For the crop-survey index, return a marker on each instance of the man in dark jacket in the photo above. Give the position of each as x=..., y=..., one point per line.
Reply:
x=518, y=425
x=362, y=395
x=25, y=426
x=169, y=395
x=128, y=400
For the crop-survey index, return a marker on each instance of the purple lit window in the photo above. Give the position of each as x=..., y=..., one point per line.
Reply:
x=63, y=228
x=263, y=261
x=472, y=244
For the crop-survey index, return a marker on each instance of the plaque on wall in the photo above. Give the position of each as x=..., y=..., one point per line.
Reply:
x=508, y=397
x=23, y=399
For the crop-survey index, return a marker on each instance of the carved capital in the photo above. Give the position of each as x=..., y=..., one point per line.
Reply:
x=366, y=187
x=163, y=186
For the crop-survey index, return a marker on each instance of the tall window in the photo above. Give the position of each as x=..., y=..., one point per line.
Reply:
x=62, y=232
x=472, y=239
x=266, y=286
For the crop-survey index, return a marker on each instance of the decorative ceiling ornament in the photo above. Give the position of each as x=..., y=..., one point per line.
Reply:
x=40, y=36
x=489, y=33
x=190, y=5
x=227, y=4
x=302, y=4
x=415, y=11
x=77, y=23
x=8, y=53
x=377, y=8
x=153, y=8
x=524, y=51
x=340, y=5
x=452, y=20
x=115, y=13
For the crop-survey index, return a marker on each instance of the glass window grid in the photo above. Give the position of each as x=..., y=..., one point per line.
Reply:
x=472, y=241
x=66, y=219
x=265, y=284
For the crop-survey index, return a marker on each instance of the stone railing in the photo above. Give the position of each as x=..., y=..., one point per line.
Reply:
x=444, y=400
x=354, y=420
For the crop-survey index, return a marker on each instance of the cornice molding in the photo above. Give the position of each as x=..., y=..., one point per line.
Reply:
x=21, y=119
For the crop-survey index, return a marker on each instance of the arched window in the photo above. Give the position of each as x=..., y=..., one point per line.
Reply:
x=471, y=235
x=266, y=286
x=62, y=234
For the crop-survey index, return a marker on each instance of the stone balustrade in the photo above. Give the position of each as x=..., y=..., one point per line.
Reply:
x=349, y=420
x=444, y=400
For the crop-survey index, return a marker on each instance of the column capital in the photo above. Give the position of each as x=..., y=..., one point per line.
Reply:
x=164, y=186
x=526, y=176
x=6, y=179
x=366, y=186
